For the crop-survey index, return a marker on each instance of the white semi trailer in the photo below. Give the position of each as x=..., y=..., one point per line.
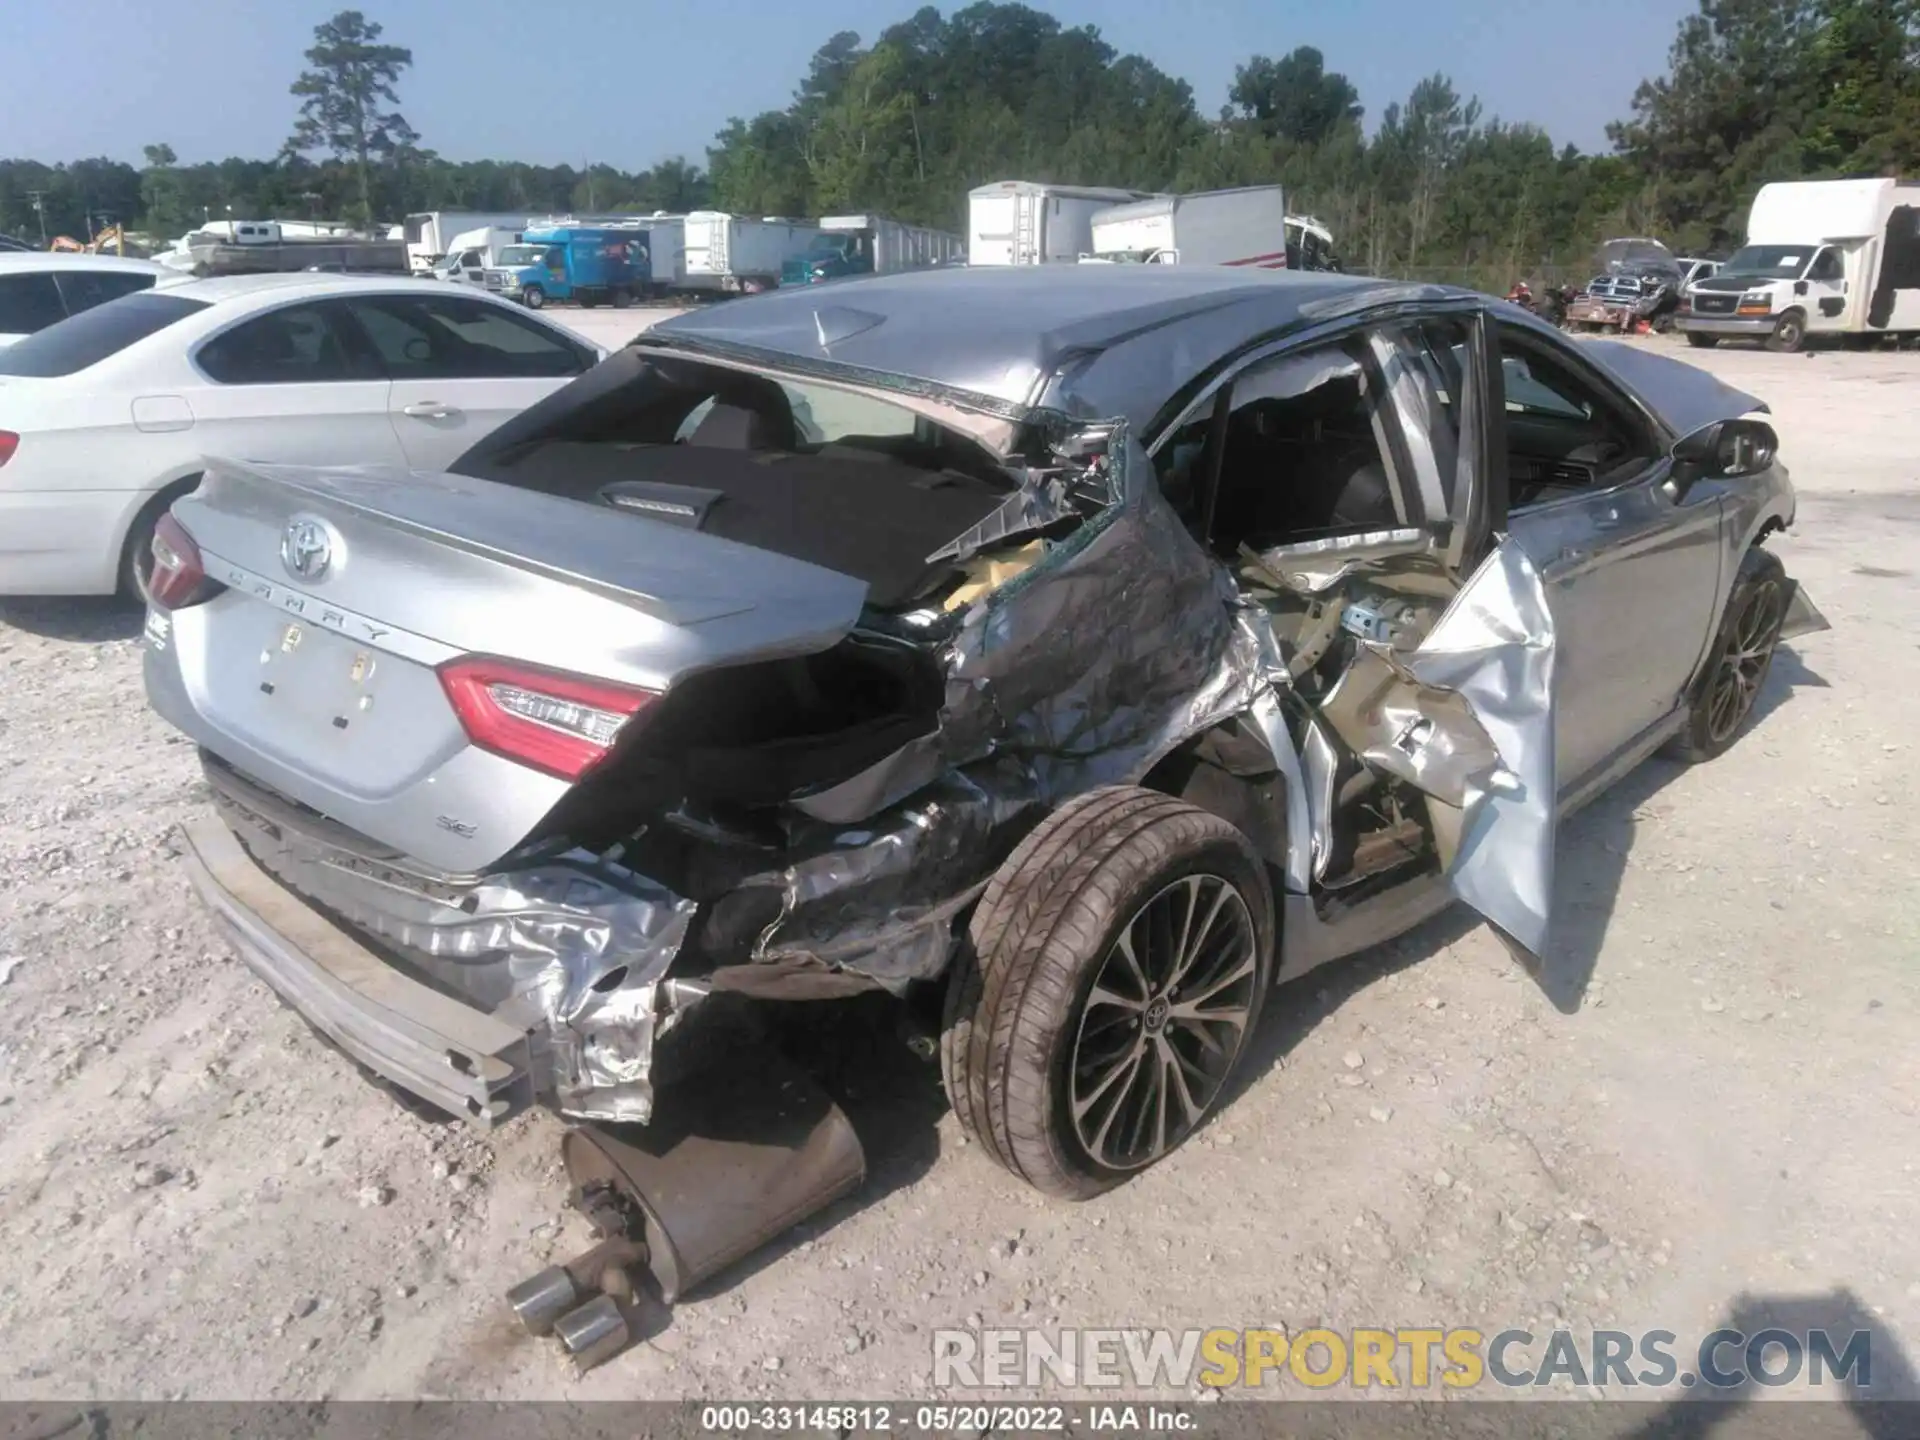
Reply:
x=1247, y=226
x=740, y=253
x=1033, y=222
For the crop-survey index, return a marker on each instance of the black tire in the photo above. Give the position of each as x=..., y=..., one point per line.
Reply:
x=533, y=297
x=1742, y=655
x=136, y=554
x=1702, y=342
x=1789, y=333
x=586, y=301
x=1015, y=1042
x=622, y=299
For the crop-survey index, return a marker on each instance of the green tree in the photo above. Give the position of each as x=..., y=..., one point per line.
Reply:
x=1295, y=97
x=345, y=92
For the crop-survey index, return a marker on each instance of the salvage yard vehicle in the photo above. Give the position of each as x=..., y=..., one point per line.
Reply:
x=38, y=289
x=105, y=418
x=1033, y=222
x=1639, y=280
x=1823, y=257
x=1119, y=644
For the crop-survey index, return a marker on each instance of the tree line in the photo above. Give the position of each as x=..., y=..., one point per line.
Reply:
x=907, y=123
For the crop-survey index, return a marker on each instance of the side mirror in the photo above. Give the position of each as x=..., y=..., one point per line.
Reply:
x=1724, y=450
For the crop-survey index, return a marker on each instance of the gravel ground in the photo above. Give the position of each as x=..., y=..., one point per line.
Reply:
x=199, y=1199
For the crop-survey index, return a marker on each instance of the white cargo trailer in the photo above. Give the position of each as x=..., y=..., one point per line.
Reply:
x=737, y=252
x=1823, y=257
x=1030, y=222
x=1246, y=226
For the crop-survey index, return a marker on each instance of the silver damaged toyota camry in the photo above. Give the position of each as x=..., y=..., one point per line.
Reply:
x=1091, y=648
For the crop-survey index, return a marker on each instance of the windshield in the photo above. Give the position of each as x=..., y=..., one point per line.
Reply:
x=1771, y=262
x=522, y=254
x=91, y=336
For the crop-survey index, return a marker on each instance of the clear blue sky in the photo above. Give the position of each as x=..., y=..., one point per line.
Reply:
x=629, y=84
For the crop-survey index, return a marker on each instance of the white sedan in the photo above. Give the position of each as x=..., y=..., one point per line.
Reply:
x=38, y=288
x=105, y=418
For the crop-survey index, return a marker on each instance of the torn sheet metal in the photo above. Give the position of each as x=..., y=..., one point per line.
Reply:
x=1803, y=617
x=1084, y=670
x=881, y=899
x=1493, y=649
x=1466, y=717
x=1312, y=567
x=586, y=945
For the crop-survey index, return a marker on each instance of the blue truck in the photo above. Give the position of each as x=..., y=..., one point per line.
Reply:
x=589, y=265
x=870, y=245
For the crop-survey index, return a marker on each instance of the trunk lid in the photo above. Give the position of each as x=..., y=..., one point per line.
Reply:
x=315, y=671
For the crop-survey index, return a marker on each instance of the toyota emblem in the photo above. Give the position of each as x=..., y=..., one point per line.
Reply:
x=306, y=549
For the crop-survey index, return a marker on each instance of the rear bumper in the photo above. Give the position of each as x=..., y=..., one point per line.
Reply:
x=466, y=1062
x=1747, y=325
x=63, y=542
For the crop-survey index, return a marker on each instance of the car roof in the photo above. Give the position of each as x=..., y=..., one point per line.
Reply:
x=239, y=289
x=12, y=260
x=1004, y=331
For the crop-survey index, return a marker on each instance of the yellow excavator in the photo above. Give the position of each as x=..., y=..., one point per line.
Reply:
x=110, y=241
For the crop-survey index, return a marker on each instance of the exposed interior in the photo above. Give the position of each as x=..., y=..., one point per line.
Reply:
x=1297, y=455
x=854, y=484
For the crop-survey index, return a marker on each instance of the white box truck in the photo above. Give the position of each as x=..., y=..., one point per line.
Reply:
x=473, y=253
x=1823, y=257
x=430, y=235
x=739, y=253
x=666, y=251
x=870, y=245
x=1031, y=222
x=1246, y=226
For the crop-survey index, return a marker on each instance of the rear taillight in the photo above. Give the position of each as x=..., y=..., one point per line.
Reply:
x=179, y=577
x=563, y=725
x=9, y=442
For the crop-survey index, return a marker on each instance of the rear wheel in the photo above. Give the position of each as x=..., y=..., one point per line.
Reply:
x=533, y=297
x=1742, y=656
x=622, y=299
x=1117, y=966
x=586, y=301
x=136, y=555
x=1702, y=342
x=1789, y=333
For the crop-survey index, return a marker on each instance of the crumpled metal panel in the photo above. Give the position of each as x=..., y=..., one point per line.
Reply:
x=880, y=899
x=1466, y=717
x=1803, y=617
x=587, y=944
x=1494, y=649
x=1084, y=671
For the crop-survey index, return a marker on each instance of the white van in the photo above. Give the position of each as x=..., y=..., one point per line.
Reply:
x=1823, y=257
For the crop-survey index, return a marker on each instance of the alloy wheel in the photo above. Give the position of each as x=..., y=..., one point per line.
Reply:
x=1164, y=1022
x=1743, y=666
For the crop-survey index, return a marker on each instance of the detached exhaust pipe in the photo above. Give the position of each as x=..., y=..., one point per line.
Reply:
x=749, y=1147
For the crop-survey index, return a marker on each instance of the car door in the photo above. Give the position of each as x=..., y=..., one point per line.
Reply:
x=460, y=367
x=1631, y=573
x=294, y=384
x=1825, y=290
x=1371, y=457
